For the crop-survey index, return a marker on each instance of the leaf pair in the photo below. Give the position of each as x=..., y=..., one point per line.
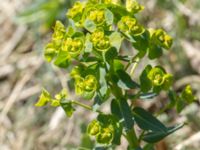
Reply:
x=156, y=130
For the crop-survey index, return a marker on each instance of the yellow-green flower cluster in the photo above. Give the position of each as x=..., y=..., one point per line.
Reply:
x=97, y=16
x=133, y=6
x=84, y=86
x=100, y=41
x=104, y=133
x=75, y=13
x=45, y=98
x=129, y=25
x=161, y=38
x=111, y=2
x=73, y=46
x=87, y=84
x=59, y=32
x=187, y=94
x=53, y=47
x=159, y=78
x=64, y=42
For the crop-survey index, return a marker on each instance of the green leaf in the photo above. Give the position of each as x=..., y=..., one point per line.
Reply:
x=155, y=52
x=147, y=121
x=125, y=80
x=111, y=54
x=68, y=108
x=89, y=25
x=125, y=113
x=149, y=147
x=109, y=16
x=44, y=98
x=118, y=65
x=62, y=60
x=145, y=83
x=155, y=136
x=115, y=40
x=141, y=41
x=86, y=142
x=115, y=109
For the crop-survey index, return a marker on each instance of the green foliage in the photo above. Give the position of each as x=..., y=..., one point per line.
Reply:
x=91, y=47
x=44, y=12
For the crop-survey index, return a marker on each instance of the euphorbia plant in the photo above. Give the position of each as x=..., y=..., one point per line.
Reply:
x=91, y=48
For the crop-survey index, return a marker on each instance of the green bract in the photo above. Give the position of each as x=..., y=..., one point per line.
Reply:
x=92, y=48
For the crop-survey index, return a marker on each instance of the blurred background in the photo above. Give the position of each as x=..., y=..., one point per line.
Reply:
x=26, y=26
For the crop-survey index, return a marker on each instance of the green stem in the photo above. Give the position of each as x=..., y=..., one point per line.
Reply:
x=130, y=134
x=137, y=59
x=84, y=106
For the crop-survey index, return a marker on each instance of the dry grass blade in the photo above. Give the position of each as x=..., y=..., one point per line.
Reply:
x=18, y=88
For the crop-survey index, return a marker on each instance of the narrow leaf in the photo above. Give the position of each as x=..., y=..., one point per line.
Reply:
x=155, y=136
x=147, y=121
x=125, y=80
x=145, y=83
